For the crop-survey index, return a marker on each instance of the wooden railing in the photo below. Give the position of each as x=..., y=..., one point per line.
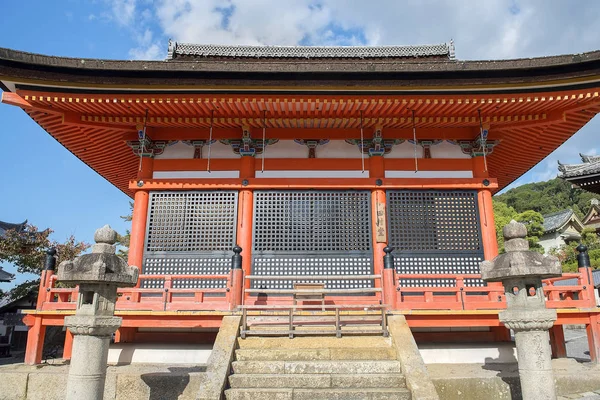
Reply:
x=165, y=298
x=457, y=297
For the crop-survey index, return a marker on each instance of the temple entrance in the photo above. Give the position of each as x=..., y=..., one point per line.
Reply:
x=312, y=237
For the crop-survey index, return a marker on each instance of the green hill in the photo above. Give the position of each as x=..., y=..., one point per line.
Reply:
x=548, y=197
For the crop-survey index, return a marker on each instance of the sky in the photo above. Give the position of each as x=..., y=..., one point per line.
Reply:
x=42, y=182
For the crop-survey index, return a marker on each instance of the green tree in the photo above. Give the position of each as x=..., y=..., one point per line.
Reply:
x=534, y=221
x=567, y=253
x=27, y=251
x=123, y=240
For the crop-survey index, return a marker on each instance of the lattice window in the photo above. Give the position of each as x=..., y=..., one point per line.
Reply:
x=434, y=221
x=326, y=266
x=312, y=221
x=190, y=233
x=312, y=233
x=435, y=232
x=191, y=221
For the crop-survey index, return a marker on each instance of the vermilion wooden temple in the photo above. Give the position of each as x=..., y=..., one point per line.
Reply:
x=312, y=160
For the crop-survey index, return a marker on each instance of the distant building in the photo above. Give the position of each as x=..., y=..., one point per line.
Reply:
x=585, y=175
x=592, y=218
x=560, y=228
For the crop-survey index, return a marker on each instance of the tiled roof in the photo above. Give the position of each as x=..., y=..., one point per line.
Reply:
x=573, y=281
x=589, y=165
x=5, y=276
x=354, y=52
x=5, y=226
x=555, y=220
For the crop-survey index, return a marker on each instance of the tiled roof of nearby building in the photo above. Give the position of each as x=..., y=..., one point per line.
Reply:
x=5, y=276
x=556, y=220
x=589, y=165
x=5, y=226
x=573, y=281
x=354, y=52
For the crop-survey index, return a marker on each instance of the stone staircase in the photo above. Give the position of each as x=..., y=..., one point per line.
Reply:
x=316, y=368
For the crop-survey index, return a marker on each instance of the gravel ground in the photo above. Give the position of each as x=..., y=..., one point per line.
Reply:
x=577, y=344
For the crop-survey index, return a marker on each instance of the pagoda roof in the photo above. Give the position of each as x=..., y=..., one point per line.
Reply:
x=589, y=165
x=5, y=276
x=557, y=220
x=185, y=50
x=5, y=226
x=92, y=106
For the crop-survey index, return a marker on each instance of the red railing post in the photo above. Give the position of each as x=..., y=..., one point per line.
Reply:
x=237, y=278
x=389, y=278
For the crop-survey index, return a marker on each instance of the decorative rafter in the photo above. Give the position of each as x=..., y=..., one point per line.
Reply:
x=476, y=148
x=312, y=145
x=148, y=148
x=426, y=145
x=198, y=145
x=246, y=146
x=377, y=146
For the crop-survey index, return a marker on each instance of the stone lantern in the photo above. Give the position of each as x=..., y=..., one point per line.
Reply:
x=521, y=272
x=98, y=275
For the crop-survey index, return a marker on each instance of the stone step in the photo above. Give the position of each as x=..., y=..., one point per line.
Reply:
x=314, y=342
x=317, y=381
x=318, y=394
x=341, y=353
x=317, y=367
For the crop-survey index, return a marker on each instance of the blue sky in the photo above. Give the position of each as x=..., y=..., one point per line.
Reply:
x=44, y=183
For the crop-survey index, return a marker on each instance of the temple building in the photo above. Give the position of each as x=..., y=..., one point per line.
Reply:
x=585, y=175
x=312, y=160
x=560, y=228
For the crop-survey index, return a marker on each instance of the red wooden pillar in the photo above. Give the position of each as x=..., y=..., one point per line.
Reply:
x=593, y=334
x=557, y=342
x=35, y=339
x=237, y=278
x=379, y=221
x=140, y=215
x=68, y=347
x=244, y=228
x=138, y=229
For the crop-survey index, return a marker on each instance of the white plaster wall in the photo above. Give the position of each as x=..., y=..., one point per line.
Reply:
x=149, y=353
x=551, y=240
x=338, y=149
x=177, y=150
x=428, y=174
x=219, y=150
x=469, y=353
x=405, y=150
x=286, y=149
x=447, y=150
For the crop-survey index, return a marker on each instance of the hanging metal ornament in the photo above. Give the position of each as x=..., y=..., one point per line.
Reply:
x=142, y=138
x=210, y=133
x=362, y=143
x=483, y=140
x=264, y=143
x=414, y=127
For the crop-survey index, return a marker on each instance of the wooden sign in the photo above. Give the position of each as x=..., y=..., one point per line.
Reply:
x=380, y=227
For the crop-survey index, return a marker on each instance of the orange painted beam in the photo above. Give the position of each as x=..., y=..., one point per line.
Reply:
x=217, y=164
x=158, y=133
x=313, y=183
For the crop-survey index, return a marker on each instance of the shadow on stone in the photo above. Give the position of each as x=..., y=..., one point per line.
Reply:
x=508, y=373
x=169, y=386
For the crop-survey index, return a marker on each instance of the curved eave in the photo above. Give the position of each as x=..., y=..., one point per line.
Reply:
x=575, y=70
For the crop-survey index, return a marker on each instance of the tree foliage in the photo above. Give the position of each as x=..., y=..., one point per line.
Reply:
x=567, y=253
x=123, y=240
x=27, y=251
x=548, y=197
x=534, y=221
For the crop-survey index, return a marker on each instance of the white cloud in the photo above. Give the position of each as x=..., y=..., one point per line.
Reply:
x=491, y=29
x=123, y=11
